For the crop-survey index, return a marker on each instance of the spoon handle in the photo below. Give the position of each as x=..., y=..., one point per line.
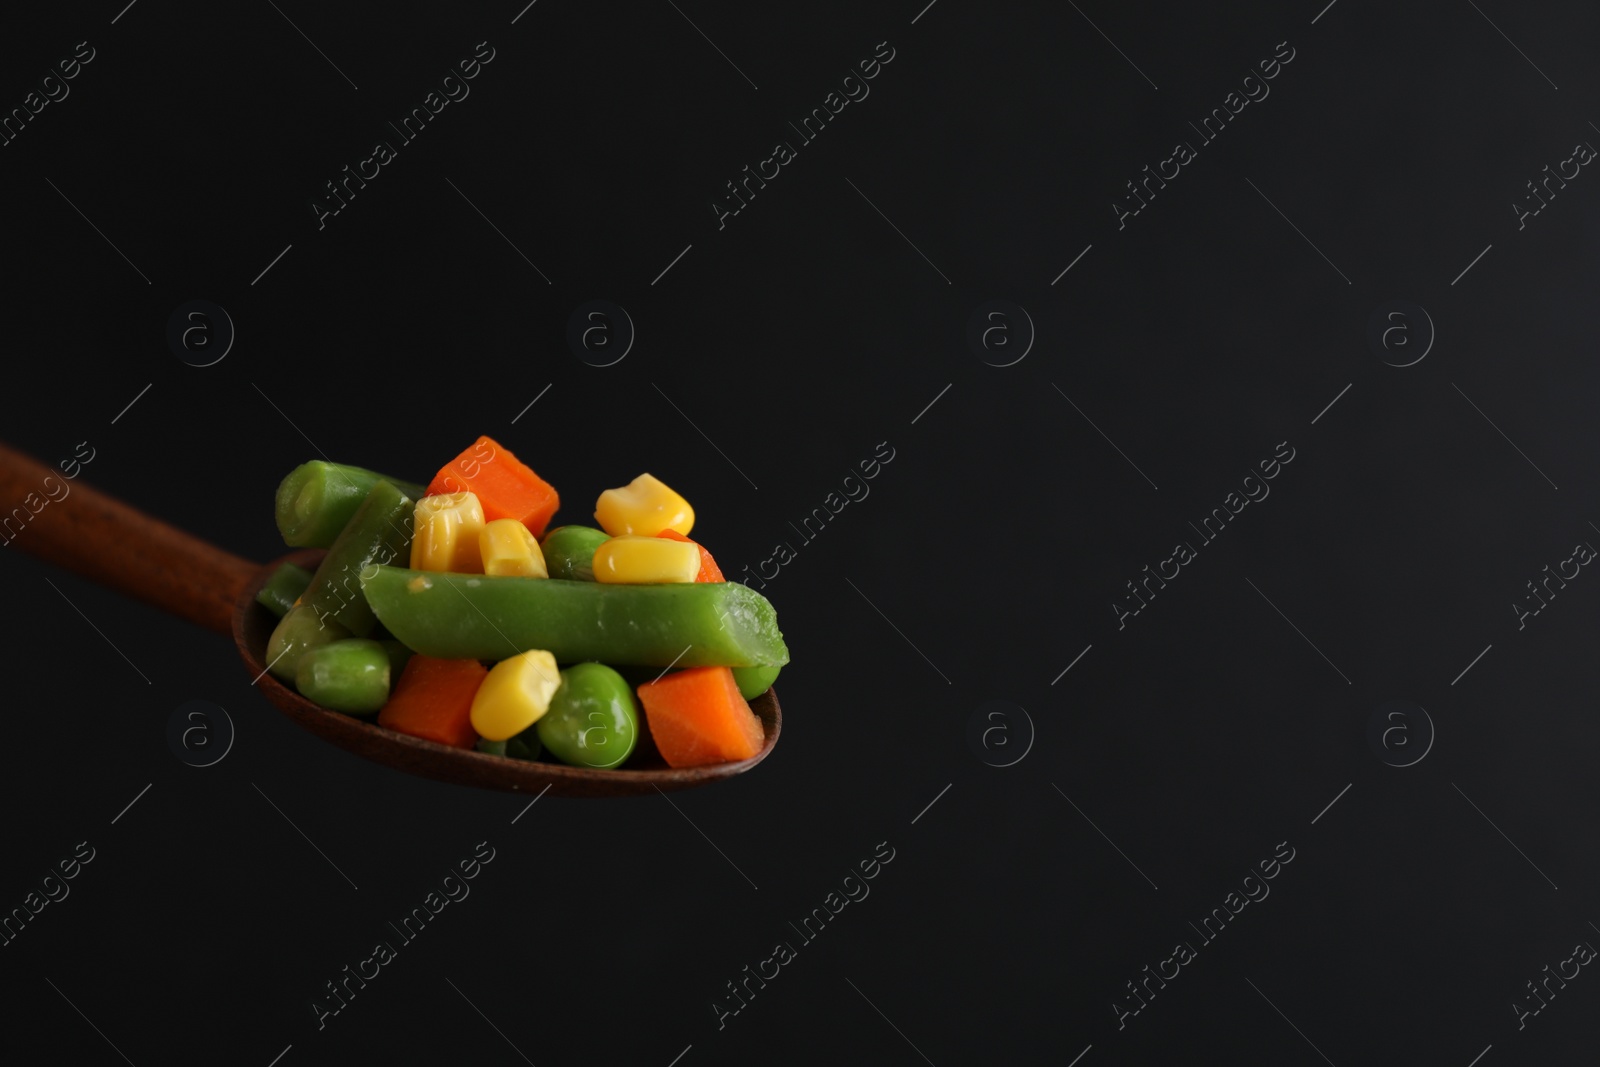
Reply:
x=85, y=531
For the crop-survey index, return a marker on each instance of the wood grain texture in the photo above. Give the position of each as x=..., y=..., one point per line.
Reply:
x=117, y=546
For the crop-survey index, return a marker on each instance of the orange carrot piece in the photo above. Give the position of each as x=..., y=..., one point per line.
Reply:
x=433, y=700
x=697, y=716
x=709, y=571
x=506, y=487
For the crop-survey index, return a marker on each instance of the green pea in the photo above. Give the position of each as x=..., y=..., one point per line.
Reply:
x=569, y=551
x=351, y=676
x=492, y=748
x=591, y=721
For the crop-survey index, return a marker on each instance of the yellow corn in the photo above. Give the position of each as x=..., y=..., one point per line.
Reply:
x=445, y=537
x=634, y=560
x=508, y=547
x=515, y=695
x=644, y=506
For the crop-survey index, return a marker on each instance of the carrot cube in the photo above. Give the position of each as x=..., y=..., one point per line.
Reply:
x=697, y=717
x=505, y=486
x=433, y=700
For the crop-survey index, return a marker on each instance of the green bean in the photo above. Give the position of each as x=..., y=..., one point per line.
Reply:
x=316, y=500
x=283, y=589
x=298, y=632
x=470, y=616
x=379, y=532
x=753, y=681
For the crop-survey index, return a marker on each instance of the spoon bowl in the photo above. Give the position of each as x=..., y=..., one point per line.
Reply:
x=99, y=537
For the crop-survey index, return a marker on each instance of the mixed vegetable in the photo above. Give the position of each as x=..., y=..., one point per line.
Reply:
x=450, y=613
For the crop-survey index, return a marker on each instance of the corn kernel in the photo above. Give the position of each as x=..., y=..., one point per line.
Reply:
x=445, y=533
x=515, y=695
x=634, y=560
x=644, y=506
x=508, y=547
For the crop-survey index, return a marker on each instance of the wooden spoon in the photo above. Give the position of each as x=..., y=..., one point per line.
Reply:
x=102, y=539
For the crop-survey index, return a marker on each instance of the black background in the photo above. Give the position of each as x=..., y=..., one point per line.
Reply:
x=800, y=336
